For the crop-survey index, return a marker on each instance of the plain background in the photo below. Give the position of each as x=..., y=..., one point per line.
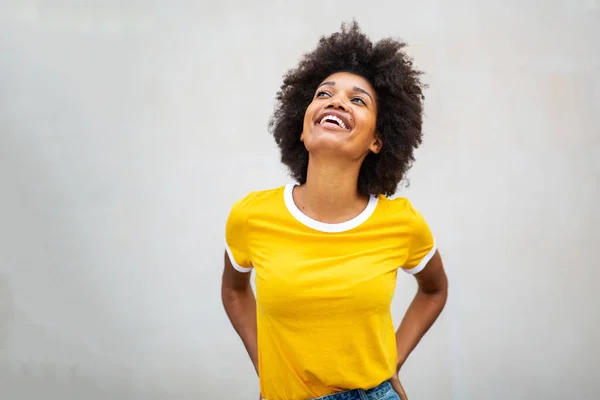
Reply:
x=128, y=128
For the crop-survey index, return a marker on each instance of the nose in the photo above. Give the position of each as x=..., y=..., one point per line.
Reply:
x=336, y=103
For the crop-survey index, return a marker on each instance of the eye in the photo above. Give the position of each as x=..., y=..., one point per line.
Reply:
x=359, y=100
x=323, y=94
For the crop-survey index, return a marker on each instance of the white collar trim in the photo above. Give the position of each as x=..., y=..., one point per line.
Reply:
x=323, y=226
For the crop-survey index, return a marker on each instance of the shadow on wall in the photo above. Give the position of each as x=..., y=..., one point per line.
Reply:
x=7, y=311
x=49, y=380
x=83, y=376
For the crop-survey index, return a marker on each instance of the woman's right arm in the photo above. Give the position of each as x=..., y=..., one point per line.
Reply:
x=240, y=306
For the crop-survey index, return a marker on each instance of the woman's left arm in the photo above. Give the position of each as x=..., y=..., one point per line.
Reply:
x=424, y=309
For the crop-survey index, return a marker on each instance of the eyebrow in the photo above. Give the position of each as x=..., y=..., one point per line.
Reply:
x=355, y=88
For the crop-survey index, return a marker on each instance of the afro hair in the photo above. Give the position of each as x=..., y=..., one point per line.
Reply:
x=399, y=93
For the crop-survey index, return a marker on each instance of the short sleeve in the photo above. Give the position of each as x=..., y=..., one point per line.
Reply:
x=236, y=236
x=421, y=247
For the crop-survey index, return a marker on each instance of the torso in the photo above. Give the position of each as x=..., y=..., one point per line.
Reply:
x=324, y=293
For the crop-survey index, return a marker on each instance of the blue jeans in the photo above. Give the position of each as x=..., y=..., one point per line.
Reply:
x=381, y=392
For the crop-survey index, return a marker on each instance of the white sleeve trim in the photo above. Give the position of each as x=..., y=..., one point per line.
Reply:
x=424, y=261
x=235, y=264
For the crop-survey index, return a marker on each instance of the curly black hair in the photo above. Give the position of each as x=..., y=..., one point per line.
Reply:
x=399, y=93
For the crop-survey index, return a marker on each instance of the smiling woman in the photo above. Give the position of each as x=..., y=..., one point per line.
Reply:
x=341, y=118
x=326, y=249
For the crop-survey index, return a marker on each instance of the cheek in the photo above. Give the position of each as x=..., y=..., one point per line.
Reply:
x=372, y=117
x=368, y=124
x=309, y=115
x=306, y=120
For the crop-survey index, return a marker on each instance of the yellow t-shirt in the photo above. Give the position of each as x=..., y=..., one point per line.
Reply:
x=324, y=291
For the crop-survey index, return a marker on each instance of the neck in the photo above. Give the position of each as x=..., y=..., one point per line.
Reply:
x=330, y=193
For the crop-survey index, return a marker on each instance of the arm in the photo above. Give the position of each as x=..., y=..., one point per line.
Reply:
x=240, y=306
x=424, y=309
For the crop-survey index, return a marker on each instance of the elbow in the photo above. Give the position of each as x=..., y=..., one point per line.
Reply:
x=231, y=295
x=442, y=295
x=435, y=298
x=228, y=294
x=437, y=292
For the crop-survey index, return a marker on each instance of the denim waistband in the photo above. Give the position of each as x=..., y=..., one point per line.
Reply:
x=361, y=394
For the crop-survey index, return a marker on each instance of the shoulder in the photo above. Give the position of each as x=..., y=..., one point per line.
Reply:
x=416, y=237
x=245, y=209
x=400, y=207
x=258, y=197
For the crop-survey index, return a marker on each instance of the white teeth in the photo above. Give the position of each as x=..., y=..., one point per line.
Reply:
x=333, y=118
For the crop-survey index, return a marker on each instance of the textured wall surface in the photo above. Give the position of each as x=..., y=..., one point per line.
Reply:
x=127, y=129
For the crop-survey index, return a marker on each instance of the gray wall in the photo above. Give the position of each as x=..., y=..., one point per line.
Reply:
x=128, y=129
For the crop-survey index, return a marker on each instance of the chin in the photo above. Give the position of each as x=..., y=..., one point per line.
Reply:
x=325, y=145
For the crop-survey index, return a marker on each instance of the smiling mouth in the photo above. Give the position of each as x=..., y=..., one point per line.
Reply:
x=332, y=119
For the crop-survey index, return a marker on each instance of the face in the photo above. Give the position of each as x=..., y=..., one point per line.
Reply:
x=342, y=118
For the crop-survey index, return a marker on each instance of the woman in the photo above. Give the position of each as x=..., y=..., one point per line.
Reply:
x=326, y=250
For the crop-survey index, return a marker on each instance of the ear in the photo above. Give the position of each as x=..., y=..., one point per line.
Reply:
x=377, y=144
x=302, y=137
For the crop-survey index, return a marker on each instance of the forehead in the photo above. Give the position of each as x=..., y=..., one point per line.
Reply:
x=347, y=79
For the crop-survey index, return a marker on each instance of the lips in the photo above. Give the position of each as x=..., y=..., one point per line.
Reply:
x=335, y=118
